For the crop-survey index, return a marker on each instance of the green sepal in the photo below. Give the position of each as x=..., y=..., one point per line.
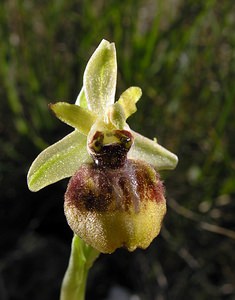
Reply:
x=74, y=115
x=100, y=78
x=58, y=161
x=151, y=152
x=128, y=99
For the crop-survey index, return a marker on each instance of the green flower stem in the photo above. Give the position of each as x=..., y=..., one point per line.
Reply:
x=81, y=259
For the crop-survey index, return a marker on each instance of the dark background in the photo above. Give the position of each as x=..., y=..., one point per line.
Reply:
x=181, y=53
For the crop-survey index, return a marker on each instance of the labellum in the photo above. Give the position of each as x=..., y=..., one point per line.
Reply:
x=115, y=201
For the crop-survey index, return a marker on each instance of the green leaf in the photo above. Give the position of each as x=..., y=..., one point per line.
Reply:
x=128, y=100
x=153, y=153
x=74, y=115
x=58, y=161
x=81, y=99
x=100, y=78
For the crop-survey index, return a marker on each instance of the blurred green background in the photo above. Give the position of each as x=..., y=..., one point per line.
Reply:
x=182, y=54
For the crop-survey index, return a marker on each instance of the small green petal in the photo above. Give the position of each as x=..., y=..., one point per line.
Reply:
x=100, y=78
x=116, y=115
x=128, y=100
x=58, y=161
x=153, y=153
x=74, y=116
x=81, y=99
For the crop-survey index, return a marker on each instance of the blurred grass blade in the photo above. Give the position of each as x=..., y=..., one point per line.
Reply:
x=74, y=115
x=100, y=78
x=128, y=99
x=58, y=161
x=151, y=152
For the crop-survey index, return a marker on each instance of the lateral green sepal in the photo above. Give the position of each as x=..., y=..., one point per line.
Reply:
x=58, y=161
x=153, y=153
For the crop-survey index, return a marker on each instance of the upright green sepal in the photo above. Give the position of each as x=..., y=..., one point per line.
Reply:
x=100, y=78
x=58, y=161
x=74, y=115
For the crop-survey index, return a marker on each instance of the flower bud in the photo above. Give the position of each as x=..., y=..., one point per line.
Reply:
x=114, y=201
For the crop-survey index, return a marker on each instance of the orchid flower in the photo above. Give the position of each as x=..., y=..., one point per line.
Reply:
x=115, y=196
x=95, y=108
